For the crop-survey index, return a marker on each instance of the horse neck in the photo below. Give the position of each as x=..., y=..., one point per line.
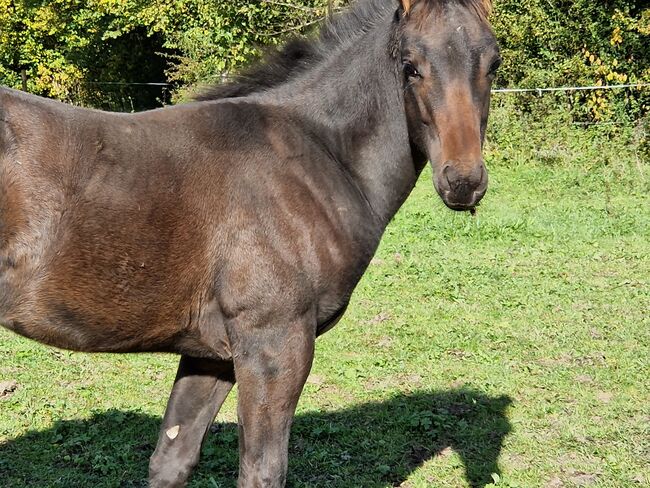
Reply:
x=354, y=100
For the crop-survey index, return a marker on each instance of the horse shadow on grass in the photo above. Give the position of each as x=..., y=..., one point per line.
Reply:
x=376, y=444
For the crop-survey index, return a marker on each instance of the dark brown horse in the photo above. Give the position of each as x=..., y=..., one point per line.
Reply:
x=233, y=230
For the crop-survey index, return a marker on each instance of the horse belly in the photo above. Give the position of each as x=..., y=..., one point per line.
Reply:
x=107, y=293
x=101, y=316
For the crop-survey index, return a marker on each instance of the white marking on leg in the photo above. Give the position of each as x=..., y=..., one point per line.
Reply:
x=172, y=433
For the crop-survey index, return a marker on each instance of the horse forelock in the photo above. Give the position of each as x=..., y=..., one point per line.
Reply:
x=483, y=8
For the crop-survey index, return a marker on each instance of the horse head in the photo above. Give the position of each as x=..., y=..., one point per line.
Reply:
x=449, y=58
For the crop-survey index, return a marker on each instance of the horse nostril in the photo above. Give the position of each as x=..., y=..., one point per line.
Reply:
x=450, y=176
x=477, y=175
x=482, y=185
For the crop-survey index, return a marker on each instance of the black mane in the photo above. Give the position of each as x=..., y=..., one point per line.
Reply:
x=302, y=53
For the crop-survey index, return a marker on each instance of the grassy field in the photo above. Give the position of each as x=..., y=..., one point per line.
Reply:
x=510, y=349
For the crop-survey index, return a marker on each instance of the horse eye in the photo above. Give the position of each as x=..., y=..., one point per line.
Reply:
x=410, y=71
x=494, y=67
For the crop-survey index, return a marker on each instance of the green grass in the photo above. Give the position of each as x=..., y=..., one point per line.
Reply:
x=511, y=348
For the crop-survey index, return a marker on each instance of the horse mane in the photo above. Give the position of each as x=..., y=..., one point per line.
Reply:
x=300, y=54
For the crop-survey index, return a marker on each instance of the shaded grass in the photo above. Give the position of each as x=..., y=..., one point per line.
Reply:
x=511, y=348
x=414, y=428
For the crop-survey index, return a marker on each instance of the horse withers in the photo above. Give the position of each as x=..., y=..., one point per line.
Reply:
x=233, y=230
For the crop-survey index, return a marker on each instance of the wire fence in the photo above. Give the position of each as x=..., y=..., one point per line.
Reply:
x=125, y=83
x=540, y=91
x=495, y=90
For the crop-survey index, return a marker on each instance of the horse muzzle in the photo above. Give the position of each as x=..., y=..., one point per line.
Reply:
x=461, y=185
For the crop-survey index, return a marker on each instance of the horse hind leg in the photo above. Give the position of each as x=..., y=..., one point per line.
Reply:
x=200, y=388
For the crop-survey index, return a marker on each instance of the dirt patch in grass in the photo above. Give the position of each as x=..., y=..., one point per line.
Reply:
x=7, y=388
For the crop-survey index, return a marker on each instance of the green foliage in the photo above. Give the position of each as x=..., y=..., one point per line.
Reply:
x=62, y=47
x=545, y=43
x=561, y=43
x=213, y=38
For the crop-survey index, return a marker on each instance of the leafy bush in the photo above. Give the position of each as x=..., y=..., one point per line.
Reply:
x=62, y=48
x=580, y=42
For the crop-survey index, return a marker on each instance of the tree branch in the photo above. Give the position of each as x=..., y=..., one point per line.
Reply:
x=291, y=29
x=293, y=5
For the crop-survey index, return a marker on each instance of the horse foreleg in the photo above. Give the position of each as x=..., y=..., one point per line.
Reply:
x=200, y=388
x=271, y=372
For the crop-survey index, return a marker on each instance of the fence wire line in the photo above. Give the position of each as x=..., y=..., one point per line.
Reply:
x=123, y=83
x=495, y=90
x=570, y=88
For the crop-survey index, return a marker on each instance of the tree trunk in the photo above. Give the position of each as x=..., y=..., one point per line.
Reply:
x=23, y=76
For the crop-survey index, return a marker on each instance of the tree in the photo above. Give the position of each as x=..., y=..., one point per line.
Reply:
x=59, y=48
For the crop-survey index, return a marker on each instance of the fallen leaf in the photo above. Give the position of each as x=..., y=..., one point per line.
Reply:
x=584, y=479
x=385, y=341
x=315, y=379
x=382, y=317
x=446, y=452
x=7, y=388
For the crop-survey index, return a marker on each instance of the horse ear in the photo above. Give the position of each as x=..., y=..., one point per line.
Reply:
x=487, y=5
x=406, y=6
